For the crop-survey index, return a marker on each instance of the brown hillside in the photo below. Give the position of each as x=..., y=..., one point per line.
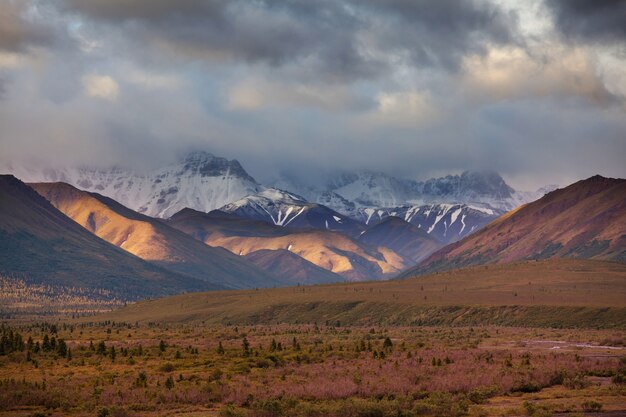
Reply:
x=291, y=268
x=403, y=237
x=584, y=220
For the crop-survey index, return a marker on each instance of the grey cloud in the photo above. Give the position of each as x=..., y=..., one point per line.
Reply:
x=591, y=20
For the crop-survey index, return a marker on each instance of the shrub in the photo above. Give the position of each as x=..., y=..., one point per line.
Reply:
x=167, y=367
x=230, y=410
x=591, y=406
x=535, y=410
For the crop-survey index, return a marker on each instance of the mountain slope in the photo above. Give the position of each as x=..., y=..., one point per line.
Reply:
x=332, y=251
x=585, y=220
x=151, y=239
x=200, y=180
x=402, y=237
x=40, y=243
x=289, y=267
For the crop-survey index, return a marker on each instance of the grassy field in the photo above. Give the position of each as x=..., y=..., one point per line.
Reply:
x=564, y=293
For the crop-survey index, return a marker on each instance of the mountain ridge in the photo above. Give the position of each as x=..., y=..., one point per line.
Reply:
x=587, y=219
x=43, y=245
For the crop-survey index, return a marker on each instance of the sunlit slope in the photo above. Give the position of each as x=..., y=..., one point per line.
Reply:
x=153, y=240
x=41, y=244
x=554, y=293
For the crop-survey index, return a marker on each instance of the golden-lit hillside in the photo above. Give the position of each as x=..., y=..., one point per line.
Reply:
x=153, y=240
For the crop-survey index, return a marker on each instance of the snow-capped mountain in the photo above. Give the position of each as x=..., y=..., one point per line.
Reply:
x=286, y=209
x=200, y=181
x=446, y=222
x=349, y=193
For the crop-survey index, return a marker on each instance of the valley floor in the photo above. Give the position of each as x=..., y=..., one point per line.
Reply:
x=129, y=369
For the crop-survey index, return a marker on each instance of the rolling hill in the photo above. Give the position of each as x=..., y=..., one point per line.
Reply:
x=551, y=293
x=584, y=220
x=153, y=240
x=332, y=251
x=41, y=244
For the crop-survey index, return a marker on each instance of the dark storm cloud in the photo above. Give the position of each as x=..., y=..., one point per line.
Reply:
x=591, y=20
x=343, y=40
x=440, y=33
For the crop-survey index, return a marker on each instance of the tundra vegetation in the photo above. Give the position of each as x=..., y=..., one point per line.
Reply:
x=106, y=368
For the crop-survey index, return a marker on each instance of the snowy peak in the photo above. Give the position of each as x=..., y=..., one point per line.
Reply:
x=205, y=164
x=272, y=205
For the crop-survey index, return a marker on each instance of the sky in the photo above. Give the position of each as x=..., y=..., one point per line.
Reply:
x=535, y=90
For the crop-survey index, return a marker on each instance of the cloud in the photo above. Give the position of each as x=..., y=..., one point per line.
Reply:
x=513, y=73
x=592, y=21
x=22, y=25
x=101, y=86
x=257, y=94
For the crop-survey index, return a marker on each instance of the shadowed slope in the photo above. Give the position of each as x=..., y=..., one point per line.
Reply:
x=404, y=238
x=153, y=240
x=585, y=220
x=39, y=242
x=289, y=267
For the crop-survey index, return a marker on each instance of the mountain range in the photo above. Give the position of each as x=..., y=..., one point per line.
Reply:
x=449, y=208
